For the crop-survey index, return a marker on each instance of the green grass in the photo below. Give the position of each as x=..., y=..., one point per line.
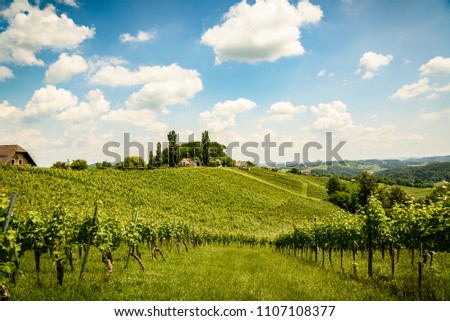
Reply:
x=205, y=273
x=417, y=192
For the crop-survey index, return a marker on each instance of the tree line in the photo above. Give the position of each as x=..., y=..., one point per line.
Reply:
x=200, y=153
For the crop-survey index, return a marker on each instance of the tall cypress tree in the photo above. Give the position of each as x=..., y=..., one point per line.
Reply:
x=205, y=148
x=158, y=157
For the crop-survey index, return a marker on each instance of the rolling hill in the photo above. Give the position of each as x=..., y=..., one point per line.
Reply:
x=257, y=202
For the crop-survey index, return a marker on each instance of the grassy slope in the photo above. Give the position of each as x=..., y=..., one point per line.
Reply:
x=258, y=202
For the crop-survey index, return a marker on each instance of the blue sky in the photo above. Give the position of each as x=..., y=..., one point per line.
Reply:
x=76, y=74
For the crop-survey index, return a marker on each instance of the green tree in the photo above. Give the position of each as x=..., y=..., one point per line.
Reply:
x=60, y=165
x=151, y=160
x=158, y=157
x=172, y=149
x=375, y=228
x=133, y=162
x=79, y=164
x=334, y=185
x=367, y=187
x=205, y=148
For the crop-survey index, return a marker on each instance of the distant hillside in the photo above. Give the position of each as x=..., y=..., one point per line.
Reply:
x=410, y=172
x=415, y=175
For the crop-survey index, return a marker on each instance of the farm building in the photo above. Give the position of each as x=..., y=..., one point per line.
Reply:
x=15, y=155
x=188, y=162
x=241, y=164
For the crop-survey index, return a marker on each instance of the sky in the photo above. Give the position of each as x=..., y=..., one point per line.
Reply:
x=77, y=74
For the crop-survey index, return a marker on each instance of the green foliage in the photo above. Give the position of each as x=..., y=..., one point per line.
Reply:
x=367, y=187
x=205, y=148
x=79, y=164
x=60, y=165
x=172, y=149
x=9, y=245
x=419, y=176
x=334, y=185
x=133, y=162
x=103, y=165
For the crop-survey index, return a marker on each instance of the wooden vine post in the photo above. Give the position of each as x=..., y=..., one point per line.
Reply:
x=5, y=223
x=88, y=245
x=315, y=240
x=4, y=293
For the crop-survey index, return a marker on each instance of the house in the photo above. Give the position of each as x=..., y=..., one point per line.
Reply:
x=188, y=162
x=15, y=155
x=306, y=172
x=241, y=164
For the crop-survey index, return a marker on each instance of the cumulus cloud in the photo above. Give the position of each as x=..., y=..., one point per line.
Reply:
x=332, y=115
x=412, y=90
x=438, y=64
x=141, y=36
x=5, y=73
x=163, y=85
x=64, y=68
x=49, y=100
x=264, y=31
x=95, y=106
x=371, y=62
x=165, y=93
x=6, y=110
x=140, y=118
x=223, y=115
x=117, y=76
x=30, y=30
x=282, y=111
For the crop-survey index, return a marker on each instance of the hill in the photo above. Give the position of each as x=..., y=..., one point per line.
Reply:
x=417, y=175
x=257, y=202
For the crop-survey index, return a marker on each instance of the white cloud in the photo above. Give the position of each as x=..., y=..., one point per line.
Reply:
x=264, y=31
x=435, y=115
x=332, y=115
x=163, y=85
x=321, y=73
x=282, y=111
x=443, y=89
x=436, y=65
x=5, y=73
x=71, y=3
x=49, y=100
x=141, y=36
x=371, y=62
x=31, y=30
x=64, y=68
x=140, y=118
x=432, y=96
x=116, y=76
x=95, y=106
x=6, y=110
x=412, y=90
x=223, y=115
x=163, y=94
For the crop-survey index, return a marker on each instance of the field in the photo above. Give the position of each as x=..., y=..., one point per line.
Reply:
x=229, y=219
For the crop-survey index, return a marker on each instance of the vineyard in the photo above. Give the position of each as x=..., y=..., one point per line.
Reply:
x=134, y=218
